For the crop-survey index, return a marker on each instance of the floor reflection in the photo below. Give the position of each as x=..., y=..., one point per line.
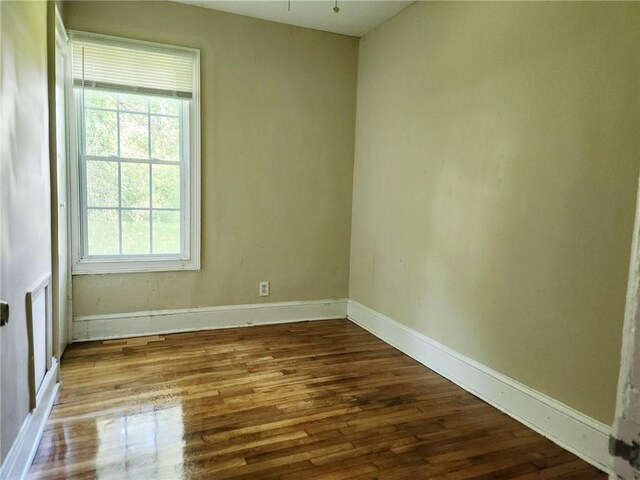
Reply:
x=302, y=401
x=149, y=444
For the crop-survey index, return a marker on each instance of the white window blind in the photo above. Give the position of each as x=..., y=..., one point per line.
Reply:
x=132, y=67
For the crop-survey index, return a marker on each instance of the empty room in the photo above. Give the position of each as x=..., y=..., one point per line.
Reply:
x=319, y=240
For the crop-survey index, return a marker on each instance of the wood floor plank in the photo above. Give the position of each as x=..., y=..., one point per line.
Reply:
x=314, y=400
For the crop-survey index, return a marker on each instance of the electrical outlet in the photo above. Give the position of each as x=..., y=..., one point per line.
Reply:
x=264, y=289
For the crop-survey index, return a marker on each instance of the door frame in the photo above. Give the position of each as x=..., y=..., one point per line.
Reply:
x=626, y=427
x=59, y=205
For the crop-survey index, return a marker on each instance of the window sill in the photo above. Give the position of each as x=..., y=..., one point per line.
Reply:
x=94, y=267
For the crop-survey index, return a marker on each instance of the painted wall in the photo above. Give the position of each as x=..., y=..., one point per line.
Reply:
x=24, y=188
x=497, y=149
x=278, y=120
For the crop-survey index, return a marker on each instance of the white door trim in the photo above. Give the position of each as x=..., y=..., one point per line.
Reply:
x=627, y=423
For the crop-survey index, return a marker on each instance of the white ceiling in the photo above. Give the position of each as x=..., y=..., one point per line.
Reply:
x=356, y=17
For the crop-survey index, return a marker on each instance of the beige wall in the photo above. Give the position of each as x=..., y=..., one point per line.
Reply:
x=278, y=117
x=25, y=237
x=497, y=149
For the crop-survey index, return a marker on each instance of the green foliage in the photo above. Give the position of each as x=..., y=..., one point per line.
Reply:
x=102, y=183
x=133, y=103
x=101, y=130
x=166, y=106
x=103, y=238
x=134, y=135
x=166, y=232
x=165, y=138
x=135, y=232
x=166, y=186
x=135, y=113
x=135, y=184
x=100, y=99
x=111, y=116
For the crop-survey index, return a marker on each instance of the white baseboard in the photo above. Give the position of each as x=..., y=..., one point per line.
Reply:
x=19, y=459
x=572, y=430
x=122, y=325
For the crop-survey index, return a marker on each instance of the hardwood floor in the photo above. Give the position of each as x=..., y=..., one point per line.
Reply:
x=314, y=401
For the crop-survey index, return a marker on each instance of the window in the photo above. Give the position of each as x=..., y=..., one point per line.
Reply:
x=137, y=144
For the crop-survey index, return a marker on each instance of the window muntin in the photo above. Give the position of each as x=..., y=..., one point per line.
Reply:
x=133, y=172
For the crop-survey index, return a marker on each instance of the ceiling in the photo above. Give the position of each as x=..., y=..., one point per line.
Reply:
x=356, y=17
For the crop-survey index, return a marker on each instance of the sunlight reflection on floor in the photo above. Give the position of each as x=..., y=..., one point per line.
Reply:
x=149, y=443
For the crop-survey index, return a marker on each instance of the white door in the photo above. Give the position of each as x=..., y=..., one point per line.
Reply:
x=63, y=280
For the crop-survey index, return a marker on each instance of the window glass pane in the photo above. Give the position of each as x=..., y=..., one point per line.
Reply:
x=102, y=184
x=166, y=106
x=134, y=103
x=133, y=206
x=166, y=232
x=96, y=98
x=134, y=135
x=136, y=231
x=103, y=235
x=101, y=133
x=166, y=186
x=165, y=138
x=135, y=184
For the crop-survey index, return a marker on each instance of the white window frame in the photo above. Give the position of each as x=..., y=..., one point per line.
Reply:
x=190, y=259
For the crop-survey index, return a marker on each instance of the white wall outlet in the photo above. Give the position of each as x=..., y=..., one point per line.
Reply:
x=264, y=289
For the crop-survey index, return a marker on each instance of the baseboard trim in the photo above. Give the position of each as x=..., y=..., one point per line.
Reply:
x=23, y=451
x=122, y=325
x=582, y=435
